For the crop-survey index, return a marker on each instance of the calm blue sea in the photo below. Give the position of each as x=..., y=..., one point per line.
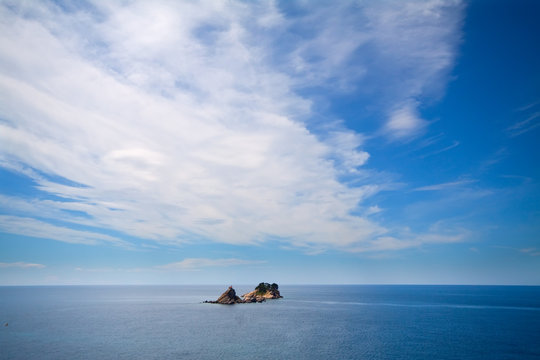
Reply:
x=310, y=322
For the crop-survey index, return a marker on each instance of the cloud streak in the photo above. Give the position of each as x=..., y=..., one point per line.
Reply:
x=40, y=229
x=524, y=126
x=21, y=265
x=198, y=263
x=445, y=186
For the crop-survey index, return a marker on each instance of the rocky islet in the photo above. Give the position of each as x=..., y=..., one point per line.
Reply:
x=261, y=293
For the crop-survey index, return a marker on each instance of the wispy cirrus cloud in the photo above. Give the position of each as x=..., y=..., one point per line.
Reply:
x=176, y=122
x=530, y=251
x=454, y=144
x=394, y=243
x=21, y=265
x=40, y=229
x=531, y=122
x=445, y=186
x=188, y=264
x=198, y=263
x=402, y=52
x=416, y=45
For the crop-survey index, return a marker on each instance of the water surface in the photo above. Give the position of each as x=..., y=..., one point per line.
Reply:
x=310, y=322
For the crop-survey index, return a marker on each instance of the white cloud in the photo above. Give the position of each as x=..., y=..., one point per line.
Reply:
x=407, y=241
x=373, y=210
x=405, y=122
x=438, y=151
x=445, y=186
x=182, y=121
x=21, y=265
x=198, y=263
x=530, y=251
x=110, y=270
x=39, y=229
x=531, y=122
x=416, y=44
x=345, y=146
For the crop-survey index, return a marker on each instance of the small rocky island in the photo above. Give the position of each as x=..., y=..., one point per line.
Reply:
x=262, y=292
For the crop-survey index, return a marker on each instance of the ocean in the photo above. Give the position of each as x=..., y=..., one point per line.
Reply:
x=310, y=322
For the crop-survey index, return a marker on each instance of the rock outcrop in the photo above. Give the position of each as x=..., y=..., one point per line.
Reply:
x=229, y=297
x=253, y=297
x=262, y=292
x=256, y=296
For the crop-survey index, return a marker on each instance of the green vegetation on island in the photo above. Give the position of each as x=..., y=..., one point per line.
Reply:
x=263, y=288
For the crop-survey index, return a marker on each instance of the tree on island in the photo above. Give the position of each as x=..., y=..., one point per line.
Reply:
x=263, y=288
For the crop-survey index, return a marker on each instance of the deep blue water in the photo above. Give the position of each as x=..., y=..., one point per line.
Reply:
x=310, y=322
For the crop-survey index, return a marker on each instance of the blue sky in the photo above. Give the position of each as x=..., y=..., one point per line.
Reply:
x=389, y=142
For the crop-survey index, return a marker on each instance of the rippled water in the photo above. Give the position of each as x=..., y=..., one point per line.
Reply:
x=310, y=322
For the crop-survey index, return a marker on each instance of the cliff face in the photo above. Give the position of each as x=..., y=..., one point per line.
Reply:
x=253, y=297
x=229, y=297
x=256, y=296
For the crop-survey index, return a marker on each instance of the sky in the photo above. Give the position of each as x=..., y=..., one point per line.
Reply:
x=296, y=142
